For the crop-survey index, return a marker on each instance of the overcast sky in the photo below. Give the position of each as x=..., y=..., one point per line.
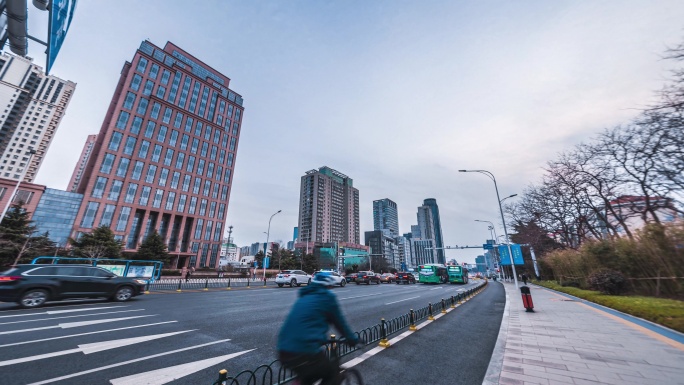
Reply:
x=398, y=95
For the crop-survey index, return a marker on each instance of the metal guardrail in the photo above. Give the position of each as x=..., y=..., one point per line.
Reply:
x=276, y=374
x=181, y=284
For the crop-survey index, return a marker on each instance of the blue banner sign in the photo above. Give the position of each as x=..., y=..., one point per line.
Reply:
x=267, y=262
x=61, y=14
x=506, y=257
x=487, y=246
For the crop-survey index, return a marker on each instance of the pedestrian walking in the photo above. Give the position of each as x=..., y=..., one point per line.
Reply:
x=189, y=273
x=524, y=278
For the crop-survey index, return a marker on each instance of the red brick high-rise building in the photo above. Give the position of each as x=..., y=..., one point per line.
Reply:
x=164, y=156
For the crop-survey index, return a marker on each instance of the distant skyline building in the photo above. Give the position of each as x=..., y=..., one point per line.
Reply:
x=32, y=106
x=328, y=207
x=386, y=216
x=437, y=226
x=82, y=162
x=382, y=244
x=164, y=157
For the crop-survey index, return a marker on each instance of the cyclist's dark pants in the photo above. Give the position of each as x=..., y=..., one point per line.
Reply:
x=310, y=368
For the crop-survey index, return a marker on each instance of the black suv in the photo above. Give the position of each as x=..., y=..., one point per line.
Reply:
x=404, y=277
x=367, y=277
x=32, y=285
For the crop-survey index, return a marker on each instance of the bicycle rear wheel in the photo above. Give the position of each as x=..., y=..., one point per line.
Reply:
x=350, y=377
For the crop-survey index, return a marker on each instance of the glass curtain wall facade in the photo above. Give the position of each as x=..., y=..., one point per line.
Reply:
x=437, y=226
x=164, y=158
x=56, y=213
x=386, y=216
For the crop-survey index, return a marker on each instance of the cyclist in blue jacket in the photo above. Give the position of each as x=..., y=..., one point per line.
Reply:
x=306, y=329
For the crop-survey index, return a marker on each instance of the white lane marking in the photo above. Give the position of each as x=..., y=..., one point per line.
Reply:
x=437, y=288
x=85, y=334
x=126, y=362
x=166, y=375
x=70, y=316
x=59, y=311
x=401, y=300
x=358, y=296
x=76, y=324
x=92, y=348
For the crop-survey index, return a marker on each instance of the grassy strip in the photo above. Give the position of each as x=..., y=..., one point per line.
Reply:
x=666, y=312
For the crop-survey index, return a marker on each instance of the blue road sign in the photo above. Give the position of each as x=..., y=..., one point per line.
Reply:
x=61, y=14
x=487, y=246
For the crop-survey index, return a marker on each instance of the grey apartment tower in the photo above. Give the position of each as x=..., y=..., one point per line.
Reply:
x=328, y=207
x=437, y=225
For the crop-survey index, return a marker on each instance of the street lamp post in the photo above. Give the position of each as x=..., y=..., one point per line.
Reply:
x=503, y=220
x=31, y=152
x=266, y=245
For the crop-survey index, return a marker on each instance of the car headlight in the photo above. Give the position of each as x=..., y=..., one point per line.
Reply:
x=140, y=281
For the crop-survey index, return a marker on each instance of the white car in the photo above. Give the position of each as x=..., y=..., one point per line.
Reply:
x=339, y=279
x=292, y=278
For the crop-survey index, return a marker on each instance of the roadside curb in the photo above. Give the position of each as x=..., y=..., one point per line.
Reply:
x=496, y=361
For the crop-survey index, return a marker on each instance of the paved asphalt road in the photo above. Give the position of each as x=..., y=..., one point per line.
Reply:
x=189, y=336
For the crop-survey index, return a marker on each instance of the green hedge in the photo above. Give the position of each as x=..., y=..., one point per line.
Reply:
x=666, y=312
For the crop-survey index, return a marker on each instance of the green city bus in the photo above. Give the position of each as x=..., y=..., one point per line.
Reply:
x=457, y=274
x=433, y=273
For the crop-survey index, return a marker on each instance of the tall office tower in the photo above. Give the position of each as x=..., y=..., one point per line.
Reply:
x=437, y=225
x=34, y=105
x=164, y=156
x=426, y=226
x=385, y=216
x=82, y=162
x=328, y=207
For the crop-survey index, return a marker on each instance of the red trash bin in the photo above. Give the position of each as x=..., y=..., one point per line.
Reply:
x=527, y=299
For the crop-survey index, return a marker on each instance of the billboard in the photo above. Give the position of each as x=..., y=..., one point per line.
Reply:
x=506, y=257
x=61, y=14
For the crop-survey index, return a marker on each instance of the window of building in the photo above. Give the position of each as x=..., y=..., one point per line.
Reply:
x=186, y=182
x=158, y=197
x=200, y=166
x=137, y=170
x=212, y=209
x=115, y=190
x=198, y=228
x=205, y=148
x=207, y=132
x=161, y=135
x=123, y=218
x=229, y=162
x=197, y=185
x=144, y=148
x=222, y=156
x=142, y=106
x=193, y=98
x=193, y=205
x=130, y=193
x=156, y=108
x=214, y=193
x=151, y=170
x=170, y=199
x=198, y=129
x=195, y=145
x=149, y=129
x=115, y=141
x=217, y=136
x=210, y=170
x=191, y=164
x=99, y=188
x=144, y=195
x=89, y=215
x=226, y=176
x=123, y=167
x=135, y=82
x=174, y=86
x=174, y=138
x=188, y=124
x=178, y=120
x=129, y=101
x=232, y=144
x=224, y=192
x=156, y=153
x=203, y=103
x=142, y=65
x=221, y=210
x=165, y=77
x=181, y=203
x=154, y=70
x=184, y=92
x=163, y=176
x=122, y=120
x=161, y=90
x=107, y=215
x=130, y=145
x=184, y=142
x=107, y=163
x=168, y=157
x=135, y=126
x=167, y=115
x=149, y=86
x=217, y=232
x=203, y=207
x=207, y=230
x=207, y=187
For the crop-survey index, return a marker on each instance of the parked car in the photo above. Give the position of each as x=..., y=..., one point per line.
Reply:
x=32, y=285
x=367, y=277
x=405, y=277
x=292, y=278
x=387, y=277
x=339, y=279
x=351, y=277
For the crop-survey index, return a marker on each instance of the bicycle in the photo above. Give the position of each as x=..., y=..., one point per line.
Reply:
x=344, y=376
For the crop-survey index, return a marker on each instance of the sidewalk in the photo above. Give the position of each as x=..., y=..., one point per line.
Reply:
x=570, y=341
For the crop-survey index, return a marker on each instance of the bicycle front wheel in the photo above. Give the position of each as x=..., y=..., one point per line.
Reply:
x=350, y=377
